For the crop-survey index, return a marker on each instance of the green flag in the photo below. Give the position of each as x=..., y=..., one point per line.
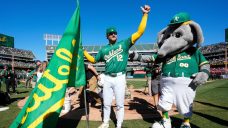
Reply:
x=65, y=69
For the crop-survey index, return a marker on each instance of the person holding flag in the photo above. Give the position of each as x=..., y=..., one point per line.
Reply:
x=115, y=56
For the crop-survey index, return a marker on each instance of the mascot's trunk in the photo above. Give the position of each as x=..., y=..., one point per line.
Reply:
x=170, y=46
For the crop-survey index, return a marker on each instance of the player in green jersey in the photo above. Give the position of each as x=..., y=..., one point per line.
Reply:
x=115, y=56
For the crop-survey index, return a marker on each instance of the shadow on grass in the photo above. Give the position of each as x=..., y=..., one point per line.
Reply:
x=213, y=118
x=49, y=119
x=71, y=119
x=16, y=99
x=147, y=110
x=20, y=92
x=176, y=123
x=212, y=105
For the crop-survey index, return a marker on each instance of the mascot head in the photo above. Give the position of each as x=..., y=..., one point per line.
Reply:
x=181, y=34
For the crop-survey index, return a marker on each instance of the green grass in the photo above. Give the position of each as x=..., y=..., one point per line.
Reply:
x=210, y=108
x=6, y=117
x=137, y=83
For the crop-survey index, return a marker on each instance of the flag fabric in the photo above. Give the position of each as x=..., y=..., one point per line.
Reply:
x=66, y=69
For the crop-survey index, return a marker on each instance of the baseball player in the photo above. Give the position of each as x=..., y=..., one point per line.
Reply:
x=115, y=56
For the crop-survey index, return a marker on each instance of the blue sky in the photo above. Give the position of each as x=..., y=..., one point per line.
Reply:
x=28, y=20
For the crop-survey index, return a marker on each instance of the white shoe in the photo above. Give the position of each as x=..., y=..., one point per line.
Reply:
x=3, y=108
x=104, y=125
x=164, y=123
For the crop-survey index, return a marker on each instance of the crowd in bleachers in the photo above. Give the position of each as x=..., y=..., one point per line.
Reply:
x=216, y=73
x=214, y=48
x=215, y=61
x=16, y=52
x=18, y=64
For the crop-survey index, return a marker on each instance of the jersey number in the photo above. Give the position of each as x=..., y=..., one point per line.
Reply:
x=119, y=58
x=184, y=65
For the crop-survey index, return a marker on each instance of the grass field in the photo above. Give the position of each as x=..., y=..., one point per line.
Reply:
x=210, y=108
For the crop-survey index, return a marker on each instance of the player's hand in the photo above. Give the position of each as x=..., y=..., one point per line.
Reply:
x=145, y=9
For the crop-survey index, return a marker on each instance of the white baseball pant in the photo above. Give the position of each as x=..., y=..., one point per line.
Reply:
x=114, y=85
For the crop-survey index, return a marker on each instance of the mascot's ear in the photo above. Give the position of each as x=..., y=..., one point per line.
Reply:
x=197, y=32
x=160, y=37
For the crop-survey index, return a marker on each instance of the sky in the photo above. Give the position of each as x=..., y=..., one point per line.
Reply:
x=28, y=20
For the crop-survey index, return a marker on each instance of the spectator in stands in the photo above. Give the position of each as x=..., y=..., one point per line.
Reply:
x=115, y=56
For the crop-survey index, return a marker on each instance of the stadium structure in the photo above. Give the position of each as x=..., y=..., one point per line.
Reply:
x=14, y=57
x=216, y=54
x=19, y=60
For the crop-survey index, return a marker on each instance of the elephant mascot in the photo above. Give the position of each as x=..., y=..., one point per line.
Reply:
x=183, y=67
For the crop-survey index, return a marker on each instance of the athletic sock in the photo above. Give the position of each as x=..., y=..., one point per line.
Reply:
x=165, y=115
x=186, y=119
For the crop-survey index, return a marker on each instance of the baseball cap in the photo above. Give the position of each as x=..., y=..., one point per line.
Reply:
x=179, y=18
x=110, y=30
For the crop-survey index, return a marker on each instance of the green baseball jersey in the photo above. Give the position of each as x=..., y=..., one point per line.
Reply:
x=115, y=56
x=183, y=64
x=148, y=71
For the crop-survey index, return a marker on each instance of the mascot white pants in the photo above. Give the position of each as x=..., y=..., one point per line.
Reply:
x=176, y=91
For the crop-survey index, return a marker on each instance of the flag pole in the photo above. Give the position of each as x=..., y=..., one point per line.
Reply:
x=85, y=101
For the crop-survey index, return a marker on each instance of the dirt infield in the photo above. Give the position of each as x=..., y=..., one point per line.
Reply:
x=139, y=106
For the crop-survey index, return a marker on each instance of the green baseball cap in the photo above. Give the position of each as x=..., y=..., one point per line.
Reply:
x=110, y=29
x=180, y=18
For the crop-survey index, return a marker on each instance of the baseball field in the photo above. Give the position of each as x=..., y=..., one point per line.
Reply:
x=210, y=108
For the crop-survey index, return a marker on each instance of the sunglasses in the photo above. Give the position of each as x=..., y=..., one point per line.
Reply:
x=112, y=33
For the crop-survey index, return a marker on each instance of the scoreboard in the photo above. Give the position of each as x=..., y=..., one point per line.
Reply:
x=6, y=41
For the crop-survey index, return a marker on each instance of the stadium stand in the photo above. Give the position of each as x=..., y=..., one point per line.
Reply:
x=21, y=60
x=214, y=53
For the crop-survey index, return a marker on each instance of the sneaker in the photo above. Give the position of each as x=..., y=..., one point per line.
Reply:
x=3, y=108
x=104, y=125
x=164, y=123
x=185, y=125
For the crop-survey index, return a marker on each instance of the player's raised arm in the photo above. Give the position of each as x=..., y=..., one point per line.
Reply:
x=89, y=57
x=142, y=25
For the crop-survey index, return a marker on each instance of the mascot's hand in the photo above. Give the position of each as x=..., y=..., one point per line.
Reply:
x=200, y=78
x=134, y=56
